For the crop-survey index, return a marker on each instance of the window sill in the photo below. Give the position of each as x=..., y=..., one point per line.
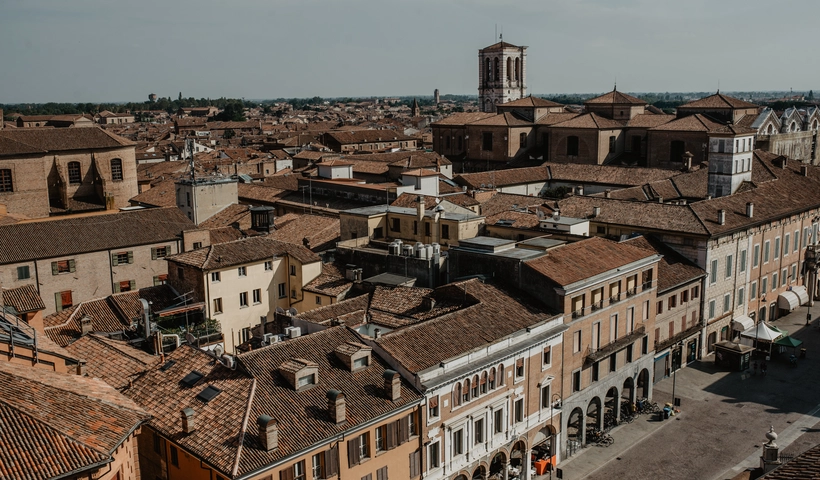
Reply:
x=217, y=313
x=243, y=306
x=257, y=303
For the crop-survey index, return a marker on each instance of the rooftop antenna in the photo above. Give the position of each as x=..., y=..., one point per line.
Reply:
x=718, y=91
x=496, y=32
x=616, y=84
x=501, y=37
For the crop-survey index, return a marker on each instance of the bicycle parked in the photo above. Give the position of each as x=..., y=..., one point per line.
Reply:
x=599, y=438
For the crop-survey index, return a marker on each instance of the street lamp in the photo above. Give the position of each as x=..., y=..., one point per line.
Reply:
x=675, y=373
x=811, y=277
x=555, y=397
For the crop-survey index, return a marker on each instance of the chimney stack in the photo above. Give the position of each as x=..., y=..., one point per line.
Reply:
x=420, y=208
x=721, y=217
x=783, y=162
x=804, y=170
x=580, y=190
x=336, y=406
x=687, y=161
x=268, y=430
x=188, y=424
x=81, y=368
x=750, y=209
x=85, y=325
x=596, y=211
x=660, y=199
x=607, y=193
x=392, y=385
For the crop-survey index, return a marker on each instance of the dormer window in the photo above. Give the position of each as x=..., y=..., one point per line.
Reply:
x=301, y=374
x=355, y=356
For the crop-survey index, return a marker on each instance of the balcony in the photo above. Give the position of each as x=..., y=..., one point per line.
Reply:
x=615, y=298
x=596, y=354
x=631, y=292
x=578, y=313
x=597, y=305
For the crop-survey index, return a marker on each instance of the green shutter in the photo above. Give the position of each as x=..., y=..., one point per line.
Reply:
x=114, y=260
x=153, y=253
x=133, y=284
x=116, y=288
x=71, y=267
x=54, y=270
x=58, y=301
x=130, y=257
x=156, y=281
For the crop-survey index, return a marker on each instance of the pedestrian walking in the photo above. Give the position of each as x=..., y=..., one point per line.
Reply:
x=763, y=368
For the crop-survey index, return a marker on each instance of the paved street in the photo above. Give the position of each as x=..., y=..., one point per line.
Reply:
x=723, y=420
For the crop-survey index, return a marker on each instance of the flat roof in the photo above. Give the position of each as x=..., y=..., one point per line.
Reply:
x=564, y=220
x=541, y=242
x=380, y=209
x=391, y=279
x=489, y=244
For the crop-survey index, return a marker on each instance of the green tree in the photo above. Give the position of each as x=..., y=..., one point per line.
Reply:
x=232, y=112
x=229, y=133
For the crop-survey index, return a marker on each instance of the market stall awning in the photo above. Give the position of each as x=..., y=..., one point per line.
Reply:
x=788, y=341
x=802, y=294
x=742, y=323
x=762, y=332
x=788, y=300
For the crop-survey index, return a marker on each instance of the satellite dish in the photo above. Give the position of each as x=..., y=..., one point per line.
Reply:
x=292, y=312
x=219, y=350
x=280, y=310
x=190, y=339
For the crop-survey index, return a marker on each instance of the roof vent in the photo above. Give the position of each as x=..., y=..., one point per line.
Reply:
x=188, y=424
x=607, y=193
x=804, y=170
x=301, y=374
x=721, y=217
x=336, y=406
x=392, y=385
x=750, y=209
x=268, y=430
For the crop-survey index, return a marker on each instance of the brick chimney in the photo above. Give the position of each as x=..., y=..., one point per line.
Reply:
x=268, y=429
x=392, y=385
x=336, y=406
x=750, y=209
x=804, y=170
x=420, y=208
x=188, y=423
x=722, y=217
x=81, y=368
x=85, y=325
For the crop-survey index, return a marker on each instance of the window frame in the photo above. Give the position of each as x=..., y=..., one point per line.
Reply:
x=6, y=180
x=74, y=172
x=116, y=170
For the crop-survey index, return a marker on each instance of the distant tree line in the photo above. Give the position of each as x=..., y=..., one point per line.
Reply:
x=163, y=103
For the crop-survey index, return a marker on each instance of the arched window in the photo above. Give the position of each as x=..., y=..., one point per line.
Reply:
x=484, y=382
x=491, y=378
x=475, y=386
x=517, y=69
x=465, y=394
x=497, y=69
x=501, y=375
x=509, y=68
x=74, y=175
x=814, y=125
x=116, y=169
x=770, y=130
x=457, y=395
x=5, y=181
x=488, y=71
x=572, y=146
x=522, y=140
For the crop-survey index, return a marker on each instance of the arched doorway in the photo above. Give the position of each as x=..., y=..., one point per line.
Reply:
x=627, y=396
x=498, y=464
x=518, y=455
x=593, y=421
x=461, y=477
x=611, y=405
x=710, y=341
x=480, y=473
x=643, y=383
x=575, y=431
x=543, y=445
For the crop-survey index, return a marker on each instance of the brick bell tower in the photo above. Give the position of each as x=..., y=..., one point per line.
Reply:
x=502, y=74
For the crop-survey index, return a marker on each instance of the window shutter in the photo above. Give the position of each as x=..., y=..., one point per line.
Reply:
x=114, y=260
x=54, y=270
x=404, y=429
x=381, y=474
x=353, y=452
x=153, y=253
x=71, y=267
x=117, y=288
x=331, y=460
x=415, y=464
x=286, y=474
x=390, y=433
x=58, y=300
x=65, y=298
x=434, y=402
x=491, y=376
x=130, y=257
x=519, y=363
x=132, y=284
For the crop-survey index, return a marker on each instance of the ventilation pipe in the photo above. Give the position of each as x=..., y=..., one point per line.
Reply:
x=146, y=316
x=85, y=325
x=721, y=217
x=596, y=211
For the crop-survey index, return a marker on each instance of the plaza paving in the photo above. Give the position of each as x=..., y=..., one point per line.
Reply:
x=723, y=421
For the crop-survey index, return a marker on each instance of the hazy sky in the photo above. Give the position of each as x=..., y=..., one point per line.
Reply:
x=112, y=50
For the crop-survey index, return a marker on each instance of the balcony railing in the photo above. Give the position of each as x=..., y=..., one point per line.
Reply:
x=631, y=292
x=597, y=305
x=578, y=313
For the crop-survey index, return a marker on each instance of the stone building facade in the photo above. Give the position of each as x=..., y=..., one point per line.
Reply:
x=502, y=75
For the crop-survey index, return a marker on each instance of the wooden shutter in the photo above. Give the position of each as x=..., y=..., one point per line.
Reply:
x=331, y=460
x=153, y=253
x=132, y=285
x=353, y=452
x=71, y=267
x=286, y=474
x=381, y=474
x=58, y=301
x=404, y=430
x=130, y=257
x=54, y=268
x=519, y=363
x=65, y=298
x=117, y=287
x=390, y=434
x=491, y=376
x=114, y=259
x=415, y=464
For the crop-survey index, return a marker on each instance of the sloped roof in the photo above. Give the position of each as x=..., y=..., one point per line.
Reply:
x=506, y=119
x=113, y=361
x=590, y=120
x=691, y=123
x=500, y=45
x=246, y=250
x=673, y=269
x=531, y=102
x=616, y=98
x=40, y=438
x=24, y=299
x=41, y=140
x=718, y=100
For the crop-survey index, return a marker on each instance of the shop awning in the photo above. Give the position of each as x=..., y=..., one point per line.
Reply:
x=762, y=332
x=802, y=294
x=788, y=301
x=742, y=323
x=788, y=341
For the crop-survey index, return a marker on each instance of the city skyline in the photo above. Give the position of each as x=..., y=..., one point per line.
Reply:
x=94, y=51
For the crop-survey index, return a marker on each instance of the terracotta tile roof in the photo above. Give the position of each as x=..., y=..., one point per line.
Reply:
x=63, y=237
x=42, y=342
x=260, y=193
x=113, y=361
x=606, y=174
x=162, y=194
x=493, y=314
x=323, y=315
x=656, y=216
x=590, y=120
x=616, y=98
x=576, y=261
x=226, y=234
x=673, y=269
x=514, y=219
x=506, y=119
x=282, y=182
x=234, y=213
x=504, y=202
x=500, y=178
x=532, y=102
x=129, y=307
x=39, y=439
x=803, y=467
x=463, y=118
x=368, y=136
x=246, y=250
x=372, y=168
x=646, y=120
x=553, y=118
x=331, y=282
x=500, y=46
x=718, y=100
x=24, y=299
x=320, y=232
x=691, y=123
x=410, y=200
x=39, y=140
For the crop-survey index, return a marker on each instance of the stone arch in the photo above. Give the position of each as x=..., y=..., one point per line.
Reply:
x=500, y=375
x=462, y=475
x=628, y=394
x=457, y=394
x=593, y=414
x=644, y=384
x=517, y=68
x=770, y=129
x=611, y=404
x=575, y=429
x=518, y=453
x=476, y=391
x=509, y=71
x=496, y=69
x=466, y=392
x=483, y=383
x=814, y=124
x=498, y=462
x=480, y=472
x=710, y=341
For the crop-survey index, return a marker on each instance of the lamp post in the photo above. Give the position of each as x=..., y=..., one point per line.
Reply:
x=675, y=373
x=811, y=277
x=555, y=397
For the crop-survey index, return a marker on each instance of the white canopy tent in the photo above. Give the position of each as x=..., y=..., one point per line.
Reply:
x=762, y=332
